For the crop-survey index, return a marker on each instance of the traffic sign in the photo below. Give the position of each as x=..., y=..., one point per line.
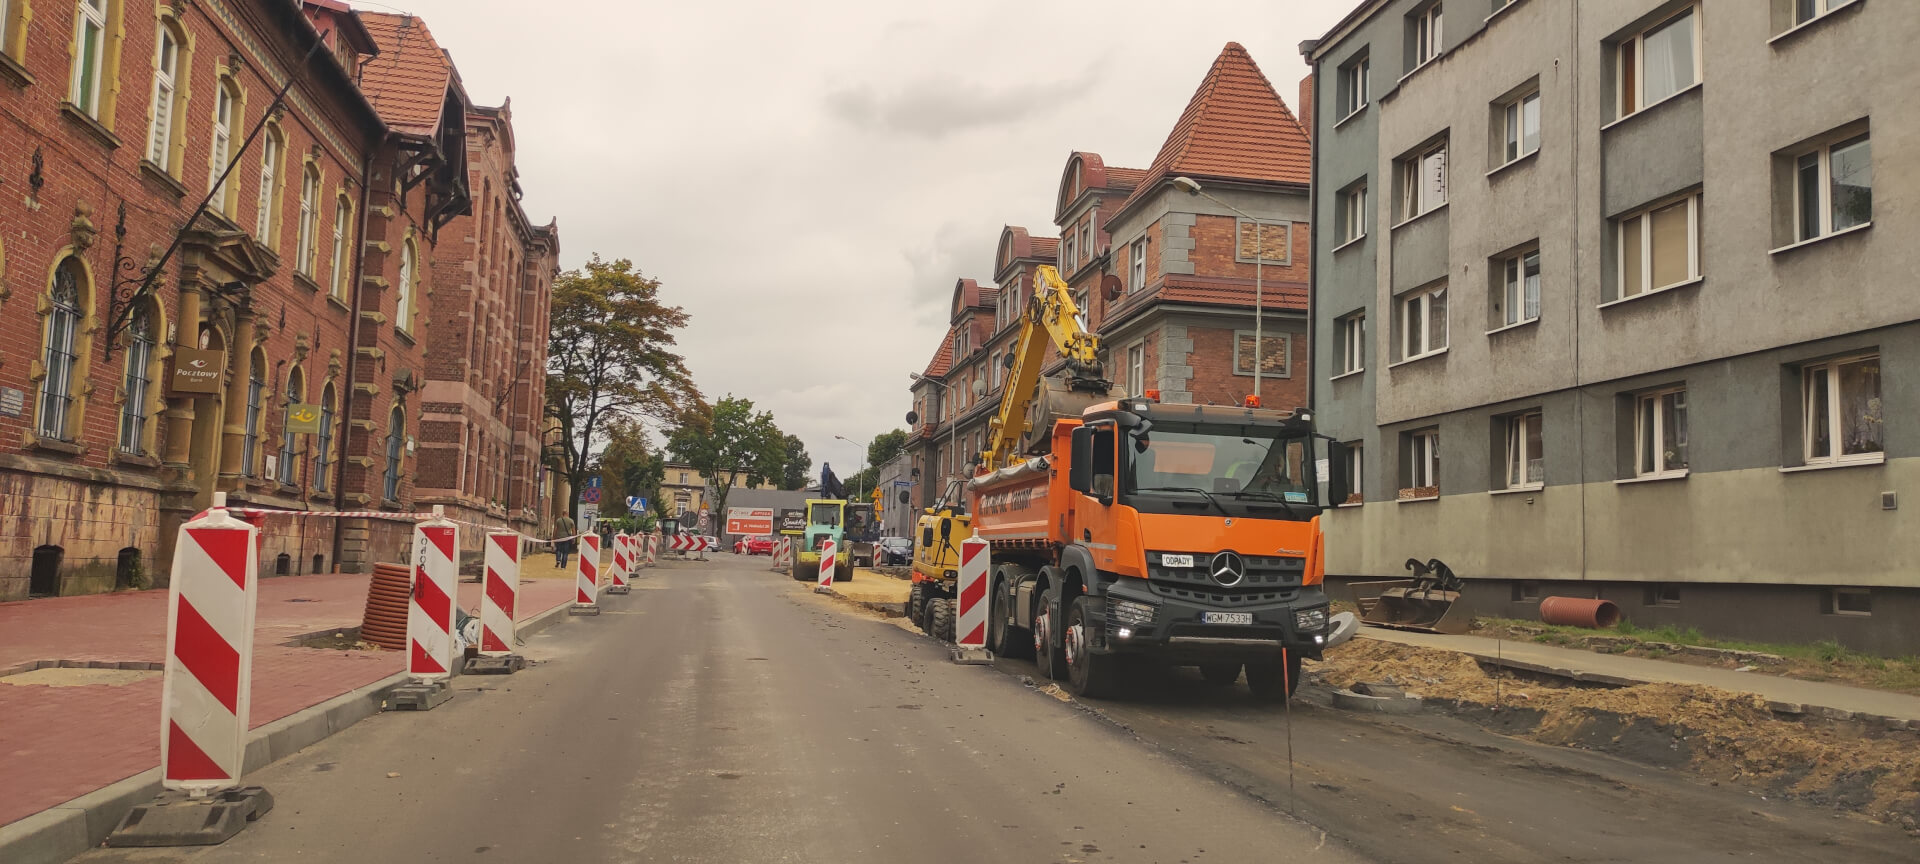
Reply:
x=590, y=495
x=635, y=502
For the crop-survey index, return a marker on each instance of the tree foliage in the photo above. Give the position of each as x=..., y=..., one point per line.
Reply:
x=728, y=442
x=610, y=358
x=799, y=465
x=629, y=467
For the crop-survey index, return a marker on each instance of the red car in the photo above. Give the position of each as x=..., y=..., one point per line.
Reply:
x=761, y=545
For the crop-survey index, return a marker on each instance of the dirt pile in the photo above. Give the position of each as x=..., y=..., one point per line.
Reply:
x=1724, y=736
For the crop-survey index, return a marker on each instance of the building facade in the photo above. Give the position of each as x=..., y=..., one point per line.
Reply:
x=1685, y=396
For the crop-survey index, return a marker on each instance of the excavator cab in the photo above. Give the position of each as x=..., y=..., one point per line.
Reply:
x=1427, y=603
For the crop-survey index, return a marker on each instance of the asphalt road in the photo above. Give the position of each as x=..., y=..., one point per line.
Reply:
x=720, y=713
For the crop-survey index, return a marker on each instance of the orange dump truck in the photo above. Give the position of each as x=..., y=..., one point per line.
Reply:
x=1149, y=531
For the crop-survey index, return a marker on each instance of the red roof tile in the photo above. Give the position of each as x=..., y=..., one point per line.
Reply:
x=1235, y=127
x=1125, y=178
x=407, y=82
x=1045, y=247
x=942, y=357
x=1234, y=292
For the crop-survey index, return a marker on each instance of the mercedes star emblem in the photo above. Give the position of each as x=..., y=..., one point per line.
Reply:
x=1228, y=569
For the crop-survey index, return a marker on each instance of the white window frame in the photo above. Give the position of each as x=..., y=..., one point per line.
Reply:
x=1520, y=453
x=1817, y=8
x=1069, y=255
x=220, y=151
x=307, y=249
x=1137, y=369
x=1636, y=46
x=1836, y=428
x=90, y=18
x=1137, y=265
x=1427, y=35
x=1651, y=431
x=269, y=174
x=403, y=294
x=1355, y=87
x=1356, y=473
x=1353, y=343
x=1823, y=166
x=1086, y=239
x=1514, y=127
x=1519, y=291
x=1423, y=454
x=1414, y=194
x=135, y=384
x=342, y=220
x=61, y=355
x=1417, y=305
x=1692, y=200
x=1353, y=221
x=162, y=104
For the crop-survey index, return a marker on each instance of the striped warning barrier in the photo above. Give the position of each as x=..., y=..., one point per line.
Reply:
x=782, y=553
x=206, y=692
x=970, y=624
x=618, y=571
x=436, y=544
x=498, y=599
x=828, y=561
x=587, y=575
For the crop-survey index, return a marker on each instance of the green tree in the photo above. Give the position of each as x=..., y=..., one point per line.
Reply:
x=610, y=359
x=880, y=451
x=729, y=442
x=798, y=465
x=629, y=467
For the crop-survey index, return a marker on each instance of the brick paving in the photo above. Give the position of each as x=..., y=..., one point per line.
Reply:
x=58, y=743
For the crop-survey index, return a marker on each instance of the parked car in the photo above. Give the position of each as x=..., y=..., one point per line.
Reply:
x=897, y=551
x=759, y=545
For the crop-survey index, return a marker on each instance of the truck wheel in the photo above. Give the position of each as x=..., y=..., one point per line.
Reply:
x=798, y=576
x=1049, y=654
x=1220, y=674
x=1090, y=675
x=1274, y=681
x=942, y=615
x=843, y=570
x=1004, y=639
x=917, y=603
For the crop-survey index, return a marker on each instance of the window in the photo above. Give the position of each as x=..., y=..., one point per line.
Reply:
x=1083, y=311
x=63, y=331
x=396, y=438
x=1352, y=338
x=89, y=56
x=295, y=395
x=1807, y=10
x=1657, y=63
x=1137, y=369
x=1353, y=213
x=403, y=287
x=1137, y=265
x=1844, y=419
x=1422, y=476
x=256, y=390
x=1274, y=352
x=1252, y=240
x=1522, y=125
x=323, y=441
x=342, y=269
x=269, y=198
x=1660, y=247
x=1423, y=180
x=1424, y=26
x=1355, y=87
x=1851, y=601
x=1423, y=321
x=1519, y=299
x=1068, y=254
x=166, y=65
x=137, y=382
x=1660, y=439
x=1833, y=188
x=223, y=121
x=1525, y=467
x=1086, y=239
x=307, y=250
x=1663, y=594
x=1356, y=473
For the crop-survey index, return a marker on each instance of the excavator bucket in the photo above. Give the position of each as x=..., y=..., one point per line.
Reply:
x=1404, y=604
x=1056, y=397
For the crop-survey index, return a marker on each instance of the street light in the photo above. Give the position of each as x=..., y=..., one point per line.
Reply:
x=951, y=427
x=1192, y=187
x=859, y=482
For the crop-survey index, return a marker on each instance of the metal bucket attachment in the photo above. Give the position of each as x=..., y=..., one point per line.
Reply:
x=1425, y=603
x=1056, y=397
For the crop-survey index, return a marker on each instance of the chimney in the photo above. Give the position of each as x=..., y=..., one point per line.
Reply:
x=1304, y=107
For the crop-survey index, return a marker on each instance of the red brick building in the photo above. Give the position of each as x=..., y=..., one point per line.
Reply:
x=274, y=351
x=485, y=393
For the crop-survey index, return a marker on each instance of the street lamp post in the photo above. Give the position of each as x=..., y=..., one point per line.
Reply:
x=944, y=401
x=1192, y=187
x=859, y=482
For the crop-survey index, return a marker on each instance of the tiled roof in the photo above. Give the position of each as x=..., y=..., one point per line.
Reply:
x=942, y=357
x=1236, y=127
x=1234, y=292
x=1124, y=178
x=407, y=81
x=1045, y=247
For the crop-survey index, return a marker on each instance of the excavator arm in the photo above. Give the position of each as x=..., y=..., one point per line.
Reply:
x=1051, y=320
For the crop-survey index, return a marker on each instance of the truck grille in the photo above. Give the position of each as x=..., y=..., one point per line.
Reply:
x=1217, y=596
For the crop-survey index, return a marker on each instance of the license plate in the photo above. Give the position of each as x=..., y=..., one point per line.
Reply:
x=1226, y=617
x=1176, y=560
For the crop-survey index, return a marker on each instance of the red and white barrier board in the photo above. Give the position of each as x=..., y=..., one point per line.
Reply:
x=827, y=562
x=653, y=549
x=587, y=571
x=970, y=622
x=497, y=600
x=692, y=543
x=436, y=570
x=622, y=548
x=782, y=553
x=206, y=693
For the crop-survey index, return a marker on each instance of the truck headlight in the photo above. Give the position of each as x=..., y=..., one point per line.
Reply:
x=1310, y=620
x=1130, y=613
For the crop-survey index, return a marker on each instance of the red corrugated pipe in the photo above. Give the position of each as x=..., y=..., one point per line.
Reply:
x=1579, y=612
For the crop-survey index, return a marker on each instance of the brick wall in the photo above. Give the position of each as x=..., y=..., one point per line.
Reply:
x=1214, y=251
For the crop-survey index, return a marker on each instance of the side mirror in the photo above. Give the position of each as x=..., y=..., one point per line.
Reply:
x=1337, y=457
x=1080, y=461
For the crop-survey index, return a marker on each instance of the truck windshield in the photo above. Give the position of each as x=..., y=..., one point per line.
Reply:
x=1250, y=461
x=825, y=514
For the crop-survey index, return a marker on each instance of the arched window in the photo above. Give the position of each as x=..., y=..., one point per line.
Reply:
x=250, y=439
x=323, y=441
x=166, y=86
x=403, y=287
x=342, y=231
x=267, y=221
x=289, y=472
x=137, y=382
x=226, y=116
x=396, y=438
x=63, y=325
x=307, y=251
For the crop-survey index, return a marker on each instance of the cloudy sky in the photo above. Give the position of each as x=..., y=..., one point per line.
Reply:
x=809, y=179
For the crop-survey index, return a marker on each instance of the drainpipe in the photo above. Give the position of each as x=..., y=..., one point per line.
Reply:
x=353, y=346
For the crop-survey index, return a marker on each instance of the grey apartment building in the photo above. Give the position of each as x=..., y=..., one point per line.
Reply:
x=1618, y=298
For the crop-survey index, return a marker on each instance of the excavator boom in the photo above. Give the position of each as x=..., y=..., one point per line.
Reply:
x=1051, y=320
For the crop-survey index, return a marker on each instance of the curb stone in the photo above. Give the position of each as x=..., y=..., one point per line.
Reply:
x=68, y=829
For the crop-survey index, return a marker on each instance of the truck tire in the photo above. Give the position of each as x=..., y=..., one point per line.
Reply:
x=798, y=575
x=1049, y=653
x=1089, y=675
x=1220, y=674
x=1274, y=680
x=917, y=603
x=1004, y=639
x=843, y=570
x=942, y=616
